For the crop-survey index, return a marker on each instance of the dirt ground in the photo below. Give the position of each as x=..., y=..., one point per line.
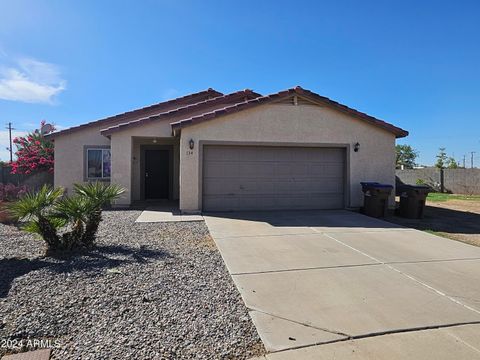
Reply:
x=455, y=219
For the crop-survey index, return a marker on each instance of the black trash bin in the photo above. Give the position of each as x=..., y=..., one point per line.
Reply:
x=412, y=201
x=375, y=198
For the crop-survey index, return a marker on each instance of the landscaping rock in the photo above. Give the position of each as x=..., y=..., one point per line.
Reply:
x=147, y=291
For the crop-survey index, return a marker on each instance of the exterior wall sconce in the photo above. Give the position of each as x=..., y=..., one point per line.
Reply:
x=191, y=144
x=356, y=147
x=154, y=141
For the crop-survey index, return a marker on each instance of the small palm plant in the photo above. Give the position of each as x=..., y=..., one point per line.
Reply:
x=96, y=196
x=72, y=210
x=47, y=211
x=36, y=210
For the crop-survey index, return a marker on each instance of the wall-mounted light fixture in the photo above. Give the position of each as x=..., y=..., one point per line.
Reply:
x=191, y=144
x=356, y=147
x=154, y=141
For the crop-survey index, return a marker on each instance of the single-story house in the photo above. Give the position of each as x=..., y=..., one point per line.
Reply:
x=241, y=151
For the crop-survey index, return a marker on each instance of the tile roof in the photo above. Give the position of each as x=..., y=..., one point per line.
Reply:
x=212, y=104
x=145, y=111
x=215, y=104
x=285, y=94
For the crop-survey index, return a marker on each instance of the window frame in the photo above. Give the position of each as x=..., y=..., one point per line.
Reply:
x=102, y=148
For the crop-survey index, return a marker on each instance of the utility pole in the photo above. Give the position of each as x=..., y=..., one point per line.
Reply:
x=9, y=128
x=464, y=161
x=471, y=160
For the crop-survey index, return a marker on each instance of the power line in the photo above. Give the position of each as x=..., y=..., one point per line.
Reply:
x=9, y=128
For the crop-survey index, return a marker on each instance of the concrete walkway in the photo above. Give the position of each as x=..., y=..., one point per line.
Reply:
x=165, y=214
x=336, y=284
x=43, y=354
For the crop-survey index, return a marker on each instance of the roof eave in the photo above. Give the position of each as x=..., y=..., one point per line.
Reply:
x=245, y=94
x=208, y=92
x=402, y=134
x=398, y=132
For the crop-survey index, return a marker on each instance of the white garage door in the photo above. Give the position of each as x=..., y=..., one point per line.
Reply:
x=272, y=178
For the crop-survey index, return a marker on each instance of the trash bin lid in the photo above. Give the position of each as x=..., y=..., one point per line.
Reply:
x=373, y=184
x=420, y=187
x=407, y=187
x=369, y=183
x=385, y=186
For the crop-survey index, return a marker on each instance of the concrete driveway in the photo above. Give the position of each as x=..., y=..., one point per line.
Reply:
x=340, y=285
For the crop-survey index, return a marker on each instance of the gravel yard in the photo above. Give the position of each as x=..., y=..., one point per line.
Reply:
x=148, y=291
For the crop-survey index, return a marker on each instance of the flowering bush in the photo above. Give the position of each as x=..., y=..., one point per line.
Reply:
x=33, y=153
x=11, y=192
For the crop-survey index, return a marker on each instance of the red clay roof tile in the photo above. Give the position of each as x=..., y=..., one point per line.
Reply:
x=222, y=105
x=286, y=93
x=145, y=111
x=217, y=103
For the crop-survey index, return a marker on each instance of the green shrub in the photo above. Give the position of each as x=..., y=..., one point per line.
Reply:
x=65, y=222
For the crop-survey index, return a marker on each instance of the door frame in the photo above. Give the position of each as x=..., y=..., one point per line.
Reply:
x=143, y=149
x=345, y=146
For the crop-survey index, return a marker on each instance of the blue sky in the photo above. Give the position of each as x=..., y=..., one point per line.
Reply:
x=412, y=63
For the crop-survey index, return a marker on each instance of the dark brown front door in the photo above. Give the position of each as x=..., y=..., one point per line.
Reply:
x=157, y=165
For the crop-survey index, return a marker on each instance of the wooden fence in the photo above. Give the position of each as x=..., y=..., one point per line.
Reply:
x=33, y=181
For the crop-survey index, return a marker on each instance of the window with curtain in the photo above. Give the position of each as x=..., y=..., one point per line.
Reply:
x=98, y=163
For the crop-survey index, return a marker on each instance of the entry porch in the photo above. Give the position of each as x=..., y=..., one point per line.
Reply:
x=147, y=167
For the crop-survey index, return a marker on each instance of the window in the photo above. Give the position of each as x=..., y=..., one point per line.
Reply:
x=98, y=163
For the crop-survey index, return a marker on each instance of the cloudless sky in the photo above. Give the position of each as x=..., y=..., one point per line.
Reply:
x=415, y=64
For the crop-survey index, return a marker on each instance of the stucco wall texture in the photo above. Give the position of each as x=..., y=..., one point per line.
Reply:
x=288, y=124
x=69, y=155
x=273, y=124
x=126, y=155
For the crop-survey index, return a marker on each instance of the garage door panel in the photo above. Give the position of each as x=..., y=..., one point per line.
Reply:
x=255, y=178
x=272, y=187
x=287, y=169
x=332, y=155
x=249, y=169
x=219, y=169
x=320, y=186
x=327, y=170
x=255, y=169
x=221, y=203
x=293, y=169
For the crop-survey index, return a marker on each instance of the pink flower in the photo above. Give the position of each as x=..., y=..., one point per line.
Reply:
x=33, y=153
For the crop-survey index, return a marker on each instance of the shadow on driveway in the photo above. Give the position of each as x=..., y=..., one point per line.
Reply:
x=440, y=219
x=308, y=218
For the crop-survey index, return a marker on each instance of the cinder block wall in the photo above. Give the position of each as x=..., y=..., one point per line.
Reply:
x=457, y=181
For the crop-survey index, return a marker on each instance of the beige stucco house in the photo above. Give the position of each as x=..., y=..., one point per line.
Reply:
x=241, y=151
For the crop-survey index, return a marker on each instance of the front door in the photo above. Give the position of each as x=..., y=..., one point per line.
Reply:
x=157, y=174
